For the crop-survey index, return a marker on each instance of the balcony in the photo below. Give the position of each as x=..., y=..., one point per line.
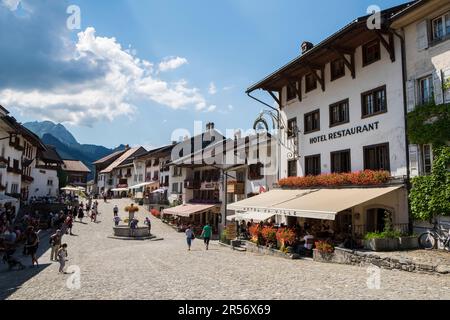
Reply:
x=14, y=170
x=192, y=184
x=26, y=178
x=16, y=145
x=236, y=187
x=205, y=201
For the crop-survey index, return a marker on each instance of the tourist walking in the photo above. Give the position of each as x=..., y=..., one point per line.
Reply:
x=149, y=224
x=32, y=244
x=81, y=213
x=116, y=210
x=55, y=242
x=62, y=257
x=117, y=220
x=206, y=234
x=69, y=224
x=190, y=236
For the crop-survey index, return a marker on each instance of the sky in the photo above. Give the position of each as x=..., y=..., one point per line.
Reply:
x=134, y=71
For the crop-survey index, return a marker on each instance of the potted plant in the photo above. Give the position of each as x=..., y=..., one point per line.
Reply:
x=269, y=235
x=324, y=249
x=131, y=209
x=285, y=237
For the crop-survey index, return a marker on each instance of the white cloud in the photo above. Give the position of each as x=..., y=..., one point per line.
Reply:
x=212, y=89
x=11, y=4
x=119, y=78
x=230, y=107
x=171, y=63
x=211, y=108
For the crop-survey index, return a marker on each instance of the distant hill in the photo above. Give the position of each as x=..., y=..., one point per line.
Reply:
x=66, y=144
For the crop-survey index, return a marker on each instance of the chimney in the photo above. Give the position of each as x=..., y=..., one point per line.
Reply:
x=237, y=135
x=211, y=126
x=306, y=46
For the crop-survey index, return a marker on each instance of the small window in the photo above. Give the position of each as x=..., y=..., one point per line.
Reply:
x=310, y=82
x=371, y=52
x=374, y=102
x=254, y=171
x=441, y=27
x=292, y=128
x=427, y=159
x=312, y=165
x=377, y=157
x=312, y=121
x=426, y=90
x=337, y=69
x=175, y=188
x=340, y=161
x=292, y=168
x=339, y=113
x=50, y=182
x=290, y=92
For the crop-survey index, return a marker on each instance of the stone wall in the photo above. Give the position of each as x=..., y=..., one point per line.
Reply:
x=360, y=258
x=251, y=247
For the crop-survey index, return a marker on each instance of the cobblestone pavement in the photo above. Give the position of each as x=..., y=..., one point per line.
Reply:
x=119, y=269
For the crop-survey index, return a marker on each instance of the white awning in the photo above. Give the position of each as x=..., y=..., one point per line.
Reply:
x=5, y=199
x=119, y=189
x=70, y=189
x=140, y=185
x=321, y=204
x=255, y=216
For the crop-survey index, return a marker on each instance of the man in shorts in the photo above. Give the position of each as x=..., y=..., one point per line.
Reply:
x=206, y=234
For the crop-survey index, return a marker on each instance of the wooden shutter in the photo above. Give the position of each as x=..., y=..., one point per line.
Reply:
x=437, y=84
x=411, y=94
x=422, y=35
x=413, y=160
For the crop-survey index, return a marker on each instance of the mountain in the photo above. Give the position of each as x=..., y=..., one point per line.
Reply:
x=66, y=144
x=56, y=130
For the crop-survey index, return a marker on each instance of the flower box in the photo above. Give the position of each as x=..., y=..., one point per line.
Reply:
x=382, y=244
x=408, y=243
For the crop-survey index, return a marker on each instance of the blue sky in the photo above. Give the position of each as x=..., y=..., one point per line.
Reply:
x=108, y=85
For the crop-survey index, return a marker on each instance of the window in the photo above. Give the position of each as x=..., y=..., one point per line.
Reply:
x=374, y=102
x=426, y=91
x=16, y=164
x=310, y=82
x=50, y=182
x=14, y=188
x=290, y=92
x=427, y=159
x=377, y=157
x=371, y=52
x=254, y=171
x=339, y=113
x=340, y=161
x=312, y=165
x=177, y=171
x=292, y=168
x=441, y=27
x=312, y=121
x=337, y=69
x=292, y=128
x=175, y=188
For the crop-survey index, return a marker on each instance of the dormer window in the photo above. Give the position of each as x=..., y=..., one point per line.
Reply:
x=310, y=82
x=290, y=93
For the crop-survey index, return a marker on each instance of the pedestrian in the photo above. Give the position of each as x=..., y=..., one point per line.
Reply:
x=32, y=244
x=149, y=224
x=55, y=242
x=206, y=234
x=116, y=210
x=190, y=236
x=62, y=257
x=81, y=213
x=104, y=197
x=69, y=223
x=117, y=220
x=94, y=214
x=133, y=225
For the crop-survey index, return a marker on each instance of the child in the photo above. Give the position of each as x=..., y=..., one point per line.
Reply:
x=62, y=256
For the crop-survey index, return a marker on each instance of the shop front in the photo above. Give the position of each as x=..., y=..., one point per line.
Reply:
x=337, y=215
x=196, y=215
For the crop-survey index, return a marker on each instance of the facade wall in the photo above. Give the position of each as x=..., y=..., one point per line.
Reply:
x=40, y=187
x=391, y=126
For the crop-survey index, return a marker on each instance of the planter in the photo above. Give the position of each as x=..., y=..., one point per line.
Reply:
x=382, y=244
x=322, y=256
x=408, y=243
x=125, y=231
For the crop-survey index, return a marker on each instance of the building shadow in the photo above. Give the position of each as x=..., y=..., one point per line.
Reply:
x=11, y=281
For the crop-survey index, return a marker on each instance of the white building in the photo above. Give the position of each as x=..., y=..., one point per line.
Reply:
x=425, y=27
x=45, y=173
x=341, y=108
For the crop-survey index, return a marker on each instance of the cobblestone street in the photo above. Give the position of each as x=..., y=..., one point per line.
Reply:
x=119, y=269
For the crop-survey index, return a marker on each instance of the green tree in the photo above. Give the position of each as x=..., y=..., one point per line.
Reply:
x=430, y=195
